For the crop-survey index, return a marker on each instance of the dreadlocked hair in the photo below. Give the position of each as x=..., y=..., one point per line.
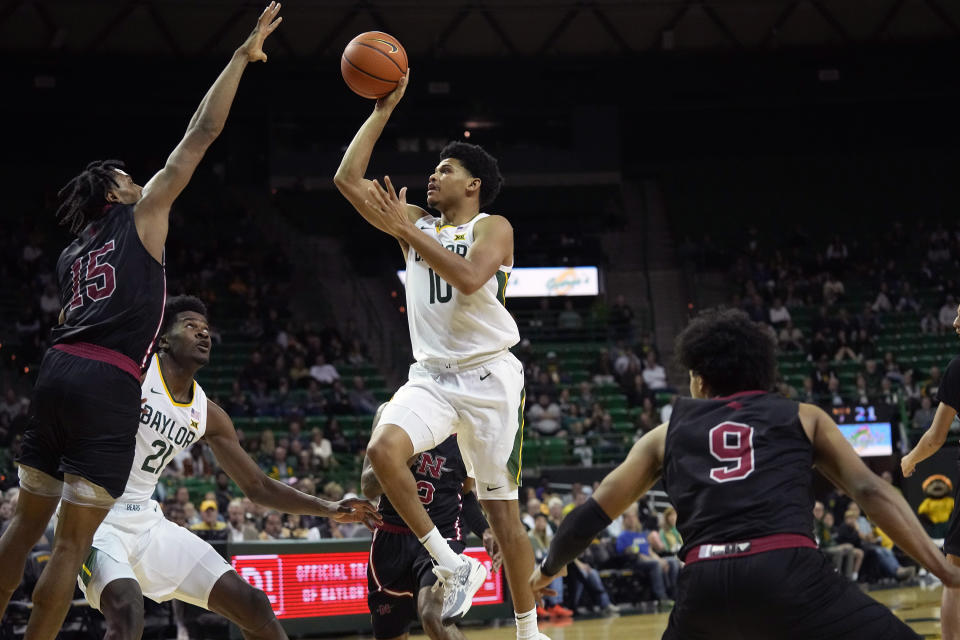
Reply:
x=82, y=199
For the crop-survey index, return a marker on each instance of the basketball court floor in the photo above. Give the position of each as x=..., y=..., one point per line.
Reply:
x=918, y=606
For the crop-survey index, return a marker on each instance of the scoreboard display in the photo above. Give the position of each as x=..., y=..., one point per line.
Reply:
x=317, y=587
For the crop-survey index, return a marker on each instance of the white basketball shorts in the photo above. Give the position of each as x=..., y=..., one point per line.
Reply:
x=135, y=541
x=482, y=405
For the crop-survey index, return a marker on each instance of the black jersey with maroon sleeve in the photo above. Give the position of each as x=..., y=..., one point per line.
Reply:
x=439, y=474
x=111, y=288
x=738, y=468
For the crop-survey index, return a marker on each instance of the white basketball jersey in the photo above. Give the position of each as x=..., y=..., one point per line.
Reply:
x=446, y=324
x=166, y=428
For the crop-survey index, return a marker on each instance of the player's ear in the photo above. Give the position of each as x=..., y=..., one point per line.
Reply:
x=111, y=196
x=474, y=186
x=162, y=343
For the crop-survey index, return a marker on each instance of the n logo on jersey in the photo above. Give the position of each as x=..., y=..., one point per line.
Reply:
x=430, y=466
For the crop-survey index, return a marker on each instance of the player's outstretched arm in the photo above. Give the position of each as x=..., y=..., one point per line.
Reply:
x=152, y=211
x=621, y=488
x=493, y=235
x=221, y=435
x=837, y=460
x=931, y=441
x=350, y=178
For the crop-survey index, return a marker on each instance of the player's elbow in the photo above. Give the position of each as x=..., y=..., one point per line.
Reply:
x=867, y=489
x=207, y=131
x=369, y=486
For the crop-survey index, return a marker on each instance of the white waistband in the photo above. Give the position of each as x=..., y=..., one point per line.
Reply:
x=134, y=507
x=437, y=366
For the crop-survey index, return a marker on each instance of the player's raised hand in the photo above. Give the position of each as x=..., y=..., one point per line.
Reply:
x=389, y=207
x=266, y=24
x=390, y=100
x=357, y=510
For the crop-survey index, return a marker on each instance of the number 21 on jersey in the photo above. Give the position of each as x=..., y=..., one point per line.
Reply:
x=732, y=442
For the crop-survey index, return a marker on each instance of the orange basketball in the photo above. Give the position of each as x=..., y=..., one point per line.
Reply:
x=373, y=63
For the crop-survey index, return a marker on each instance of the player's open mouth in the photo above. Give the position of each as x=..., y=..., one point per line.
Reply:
x=203, y=347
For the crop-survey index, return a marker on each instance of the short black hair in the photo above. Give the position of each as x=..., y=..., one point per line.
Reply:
x=82, y=199
x=177, y=305
x=480, y=164
x=729, y=351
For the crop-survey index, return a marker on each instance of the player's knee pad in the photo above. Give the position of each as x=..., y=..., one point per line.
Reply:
x=39, y=483
x=82, y=492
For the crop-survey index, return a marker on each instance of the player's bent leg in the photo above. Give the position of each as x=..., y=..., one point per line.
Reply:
x=429, y=610
x=248, y=608
x=121, y=604
x=518, y=561
x=84, y=507
x=38, y=500
x=390, y=448
x=950, y=608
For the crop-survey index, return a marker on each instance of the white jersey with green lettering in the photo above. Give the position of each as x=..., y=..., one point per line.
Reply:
x=166, y=428
x=445, y=324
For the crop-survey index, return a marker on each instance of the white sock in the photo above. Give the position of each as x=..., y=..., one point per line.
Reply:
x=439, y=549
x=854, y=576
x=527, y=624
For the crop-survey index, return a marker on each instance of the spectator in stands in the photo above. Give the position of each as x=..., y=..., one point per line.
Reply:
x=907, y=301
x=620, y=320
x=280, y=469
x=638, y=391
x=667, y=409
x=569, y=319
x=873, y=545
x=602, y=369
x=947, y=313
x=633, y=544
x=923, y=416
x=865, y=345
x=790, y=337
x=210, y=527
x=322, y=371
x=845, y=557
x=554, y=512
x=911, y=390
x=930, y=325
x=822, y=375
x=669, y=535
x=543, y=384
x=361, y=398
x=273, y=528
x=882, y=303
x=545, y=417
x=627, y=365
x=844, y=350
x=806, y=392
x=540, y=537
x=932, y=385
x=860, y=394
x=779, y=315
x=654, y=374
x=832, y=397
x=238, y=527
x=295, y=525
x=321, y=448
x=832, y=289
x=533, y=507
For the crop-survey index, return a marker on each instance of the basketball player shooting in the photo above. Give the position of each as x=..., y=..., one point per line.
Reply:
x=137, y=552
x=81, y=438
x=465, y=380
x=400, y=579
x=736, y=462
